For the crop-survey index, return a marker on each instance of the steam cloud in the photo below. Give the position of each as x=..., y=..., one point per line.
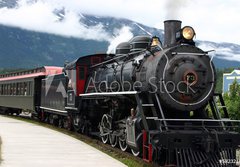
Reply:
x=122, y=35
x=173, y=8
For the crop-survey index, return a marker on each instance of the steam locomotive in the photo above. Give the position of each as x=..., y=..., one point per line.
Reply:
x=155, y=99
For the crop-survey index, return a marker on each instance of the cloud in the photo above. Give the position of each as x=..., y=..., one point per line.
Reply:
x=39, y=16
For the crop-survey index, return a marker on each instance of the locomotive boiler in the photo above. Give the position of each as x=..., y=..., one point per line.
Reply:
x=181, y=74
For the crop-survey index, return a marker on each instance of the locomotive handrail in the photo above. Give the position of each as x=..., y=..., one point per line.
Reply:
x=203, y=123
x=189, y=53
x=194, y=120
x=110, y=60
x=109, y=93
x=115, y=58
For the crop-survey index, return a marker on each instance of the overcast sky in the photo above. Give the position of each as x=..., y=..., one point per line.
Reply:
x=213, y=20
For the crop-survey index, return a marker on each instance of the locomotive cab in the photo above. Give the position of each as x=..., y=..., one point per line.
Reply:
x=78, y=72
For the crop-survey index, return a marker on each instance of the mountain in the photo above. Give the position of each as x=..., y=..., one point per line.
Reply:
x=8, y=3
x=20, y=48
x=26, y=49
x=225, y=54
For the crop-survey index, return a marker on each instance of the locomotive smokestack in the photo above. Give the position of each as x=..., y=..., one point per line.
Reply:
x=170, y=29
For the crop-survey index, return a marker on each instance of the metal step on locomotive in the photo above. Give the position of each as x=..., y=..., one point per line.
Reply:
x=154, y=99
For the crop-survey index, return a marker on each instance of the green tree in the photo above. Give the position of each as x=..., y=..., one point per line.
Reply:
x=232, y=100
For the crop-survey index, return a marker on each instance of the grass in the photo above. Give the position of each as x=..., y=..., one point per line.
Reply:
x=124, y=157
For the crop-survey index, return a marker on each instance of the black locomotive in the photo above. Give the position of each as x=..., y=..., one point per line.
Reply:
x=156, y=99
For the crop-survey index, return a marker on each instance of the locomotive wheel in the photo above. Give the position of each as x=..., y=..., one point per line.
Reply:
x=50, y=119
x=60, y=122
x=105, y=128
x=135, y=153
x=53, y=121
x=26, y=112
x=122, y=143
x=76, y=122
x=113, y=140
x=105, y=139
x=67, y=123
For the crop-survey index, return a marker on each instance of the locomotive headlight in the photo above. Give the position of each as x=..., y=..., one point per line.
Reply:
x=188, y=33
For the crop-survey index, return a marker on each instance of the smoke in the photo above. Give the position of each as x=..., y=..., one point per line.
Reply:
x=40, y=16
x=122, y=35
x=173, y=8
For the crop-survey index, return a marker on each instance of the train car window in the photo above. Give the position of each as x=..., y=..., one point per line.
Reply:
x=11, y=89
x=14, y=89
x=0, y=89
x=25, y=89
x=8, y=89
x=18, y=89
x=81, y=73
x=28, y=88
x=95, y=60
x=21, y=89
x=5, y=89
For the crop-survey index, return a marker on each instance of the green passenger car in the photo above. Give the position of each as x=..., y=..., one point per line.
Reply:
x=21, y=91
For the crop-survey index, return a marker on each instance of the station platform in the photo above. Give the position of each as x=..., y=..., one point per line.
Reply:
x=27, y=145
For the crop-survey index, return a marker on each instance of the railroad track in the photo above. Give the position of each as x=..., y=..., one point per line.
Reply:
x=125, y=157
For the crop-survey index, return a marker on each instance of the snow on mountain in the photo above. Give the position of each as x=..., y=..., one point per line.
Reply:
x=8, y=3
x=228, y=51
